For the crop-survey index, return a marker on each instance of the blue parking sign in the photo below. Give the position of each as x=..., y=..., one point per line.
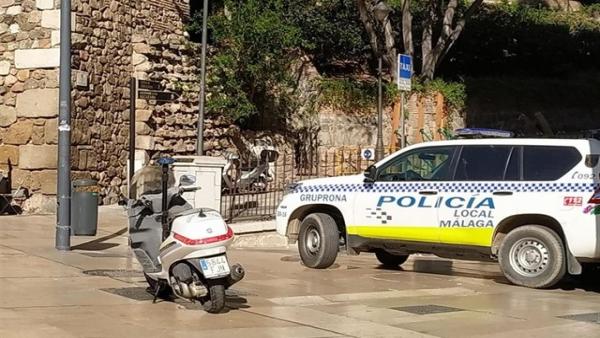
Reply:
x=404, y=72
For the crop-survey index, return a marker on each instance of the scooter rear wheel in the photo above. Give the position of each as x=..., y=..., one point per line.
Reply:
x=214, y=302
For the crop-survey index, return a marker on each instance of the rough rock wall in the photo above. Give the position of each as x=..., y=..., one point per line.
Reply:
x=162, y=53
x=102, y=56
x=427, y=117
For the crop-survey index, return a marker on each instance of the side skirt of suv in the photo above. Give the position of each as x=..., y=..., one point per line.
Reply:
x=451, y=251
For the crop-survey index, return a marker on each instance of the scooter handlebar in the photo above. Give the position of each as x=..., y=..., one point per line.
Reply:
x=188, y=189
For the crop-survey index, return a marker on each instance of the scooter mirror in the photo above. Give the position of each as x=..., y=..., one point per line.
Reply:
x=187, y=180
x=166, y=161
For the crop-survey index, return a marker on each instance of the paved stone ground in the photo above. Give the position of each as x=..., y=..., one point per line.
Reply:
x=97, y=290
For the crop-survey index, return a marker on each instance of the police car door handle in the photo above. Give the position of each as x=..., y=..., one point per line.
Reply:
x=503, y=193
x=428, y=192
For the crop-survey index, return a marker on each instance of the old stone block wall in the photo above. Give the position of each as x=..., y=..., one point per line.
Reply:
x=111, y=42
x=29, y=97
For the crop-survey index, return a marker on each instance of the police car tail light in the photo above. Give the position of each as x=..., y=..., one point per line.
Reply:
x=209, y=240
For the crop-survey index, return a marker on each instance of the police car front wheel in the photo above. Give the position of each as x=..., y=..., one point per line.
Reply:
x=533, y=256
x=318, y=241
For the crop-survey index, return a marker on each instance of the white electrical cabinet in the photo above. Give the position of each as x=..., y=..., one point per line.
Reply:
x=203, y=172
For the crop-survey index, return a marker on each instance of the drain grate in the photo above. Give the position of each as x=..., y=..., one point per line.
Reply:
x=426, y=309
x=115, y=273
x=584, y=317
x=135, y=293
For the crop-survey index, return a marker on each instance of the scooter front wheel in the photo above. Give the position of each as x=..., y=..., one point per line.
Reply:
x=214, y=301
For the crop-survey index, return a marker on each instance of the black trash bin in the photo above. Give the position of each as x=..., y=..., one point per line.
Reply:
x=84, y=207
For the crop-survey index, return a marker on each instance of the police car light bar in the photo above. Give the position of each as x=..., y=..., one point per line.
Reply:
x=482, y=132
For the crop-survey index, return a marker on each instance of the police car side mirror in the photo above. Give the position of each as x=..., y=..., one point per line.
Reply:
x=370, y=174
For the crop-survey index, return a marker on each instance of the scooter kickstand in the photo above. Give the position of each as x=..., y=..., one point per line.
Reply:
x=156, y=291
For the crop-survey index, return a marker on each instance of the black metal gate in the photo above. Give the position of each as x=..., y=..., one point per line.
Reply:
x=239, y=204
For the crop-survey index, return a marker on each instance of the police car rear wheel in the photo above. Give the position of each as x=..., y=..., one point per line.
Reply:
x=390, y=260
x=533, y=256
x=318, y=241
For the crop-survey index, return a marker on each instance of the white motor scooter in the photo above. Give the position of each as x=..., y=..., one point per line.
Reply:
x=182, y=250
x=255, y=179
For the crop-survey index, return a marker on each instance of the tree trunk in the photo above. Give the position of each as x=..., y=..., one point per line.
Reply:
x=387, y=46
x=363, y=11
x=448, y=36
x=391, y=55
x=427, y=57
x=407, y=28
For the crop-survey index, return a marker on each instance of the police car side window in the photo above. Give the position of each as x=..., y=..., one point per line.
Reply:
x=427, y=164
x=548, y=163
x=483, y=163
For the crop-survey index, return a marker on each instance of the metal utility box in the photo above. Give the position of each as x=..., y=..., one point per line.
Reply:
x=203, y=172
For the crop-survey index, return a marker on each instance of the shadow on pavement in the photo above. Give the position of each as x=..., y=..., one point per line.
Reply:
x=446, y=268
x=98, y=244
x=587, y=281
x=144, y=294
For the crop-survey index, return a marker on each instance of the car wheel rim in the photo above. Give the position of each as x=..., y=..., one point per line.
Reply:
x=313, y=241
x=529, y=257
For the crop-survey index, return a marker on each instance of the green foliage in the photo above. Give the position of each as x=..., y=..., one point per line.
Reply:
x=250, y=66
x=254, y=44
x=512, y=39
x=354, y=96
x=331, y=31
x=455, y=93
x=593, y=10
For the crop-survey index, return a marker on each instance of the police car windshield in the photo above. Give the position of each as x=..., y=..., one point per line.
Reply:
x=429, y=164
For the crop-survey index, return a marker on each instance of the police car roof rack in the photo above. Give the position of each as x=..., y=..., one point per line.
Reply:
x=470, y=133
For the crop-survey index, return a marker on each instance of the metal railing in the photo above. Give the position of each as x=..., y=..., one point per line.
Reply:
x=261, y=204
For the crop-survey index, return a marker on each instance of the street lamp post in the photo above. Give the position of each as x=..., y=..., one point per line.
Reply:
x=200, y=136
x=381, y=12
x=379, y=146
x=63, y=227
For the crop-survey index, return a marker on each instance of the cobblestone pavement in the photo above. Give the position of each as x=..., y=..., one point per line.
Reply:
x=97, y=290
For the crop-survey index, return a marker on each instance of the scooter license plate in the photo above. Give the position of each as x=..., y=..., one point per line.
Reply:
x=214, y=267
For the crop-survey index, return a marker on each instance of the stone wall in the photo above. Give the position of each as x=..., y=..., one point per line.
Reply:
x=29, y=97
x=102, y=60
x=111, y=42
x=427, y=116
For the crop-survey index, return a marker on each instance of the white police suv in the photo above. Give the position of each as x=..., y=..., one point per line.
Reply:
x=524, y=202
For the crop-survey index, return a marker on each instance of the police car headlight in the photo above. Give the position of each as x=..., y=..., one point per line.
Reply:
x=291, y=188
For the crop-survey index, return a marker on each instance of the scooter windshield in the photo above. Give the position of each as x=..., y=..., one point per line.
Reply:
x=148, y=180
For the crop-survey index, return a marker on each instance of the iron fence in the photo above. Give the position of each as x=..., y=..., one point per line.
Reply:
x=254, y=203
